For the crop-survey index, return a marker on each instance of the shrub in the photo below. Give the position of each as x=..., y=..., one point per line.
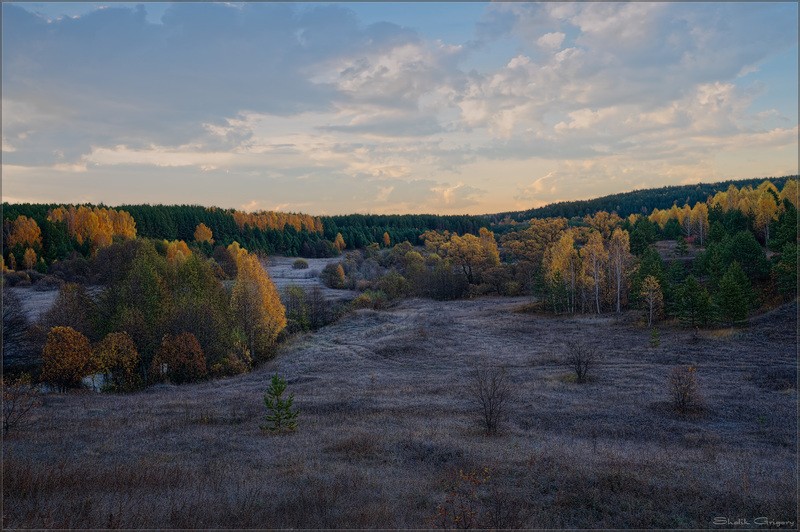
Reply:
x=376, y=300
x=490, y=392
x=116, y=357
x=655, y=337
x=394, y=285
x=47, y=283
x=73, y=308
x=580, y=358
x=477, y=500
x=332, y=276
x=19, y=399
x=300, y=264
x=280, y=414
x=179, y=359
x=66, y=358
x=684, y=391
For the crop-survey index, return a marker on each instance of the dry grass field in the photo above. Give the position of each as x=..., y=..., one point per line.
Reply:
x=387, y=423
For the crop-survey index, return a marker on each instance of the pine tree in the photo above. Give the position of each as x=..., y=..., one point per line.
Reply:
x=734, y=295
x=694, y=303
x=681, y=248
x=280, y=414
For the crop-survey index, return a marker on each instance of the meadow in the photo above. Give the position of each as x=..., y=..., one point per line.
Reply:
x=390, y=436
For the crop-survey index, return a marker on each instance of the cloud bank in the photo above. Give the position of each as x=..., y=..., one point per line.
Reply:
x=306, y=107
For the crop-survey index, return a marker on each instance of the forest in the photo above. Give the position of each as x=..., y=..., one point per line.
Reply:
x=150, y=299
x=731, y=255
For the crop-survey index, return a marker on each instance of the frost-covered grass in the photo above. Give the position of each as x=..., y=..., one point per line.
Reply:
x=385, y=423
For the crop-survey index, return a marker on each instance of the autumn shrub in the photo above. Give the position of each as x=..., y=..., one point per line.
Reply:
x=300, y=264
x=66, y=358
x=179, y=359
x=19, y=399
x=684, y=391
x=490, y=391
x=580, y=358
x=374, y=299
x=116, y=357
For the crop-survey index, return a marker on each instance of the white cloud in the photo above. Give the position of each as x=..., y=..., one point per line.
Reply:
x=551, y=41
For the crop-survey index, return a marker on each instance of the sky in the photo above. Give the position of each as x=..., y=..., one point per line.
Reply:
x=418, y=107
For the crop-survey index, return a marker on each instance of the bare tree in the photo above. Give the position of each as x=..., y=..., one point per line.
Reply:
x=19, y=399
x=490, y=390
x=16, y=340
x=580, y=357
x=683, y=389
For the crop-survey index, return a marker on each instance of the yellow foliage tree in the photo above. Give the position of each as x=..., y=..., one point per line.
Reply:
x=257, y=304
x=338, y=242
x=652, y=297
x=202, y=233
x=766, y=210
x=619, y=256
x=473, y=254
x=699, y=221
x=789, y=191
x=562, y=267
x=595, y=256
x=604, y=222
x=29, y=259
x=387, y=240
x=177, y=251
x=116, y=356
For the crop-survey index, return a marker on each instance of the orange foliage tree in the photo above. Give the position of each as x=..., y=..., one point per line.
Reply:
x=179, y=359
x=66, y=358
x=202, y=233
x=97, y=225
x=277, y=220
x=256, y=303
x=25, y=231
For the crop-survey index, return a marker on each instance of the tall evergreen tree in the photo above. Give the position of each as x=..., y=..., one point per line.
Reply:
x=694, y=303
x=734, y=295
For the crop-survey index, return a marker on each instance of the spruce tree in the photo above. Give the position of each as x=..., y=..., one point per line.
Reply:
x=280, y=415
x=733, y=297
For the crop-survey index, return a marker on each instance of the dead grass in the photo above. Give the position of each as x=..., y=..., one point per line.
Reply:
x=384, y=423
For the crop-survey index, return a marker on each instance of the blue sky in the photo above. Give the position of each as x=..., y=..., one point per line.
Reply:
x=391, y=107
